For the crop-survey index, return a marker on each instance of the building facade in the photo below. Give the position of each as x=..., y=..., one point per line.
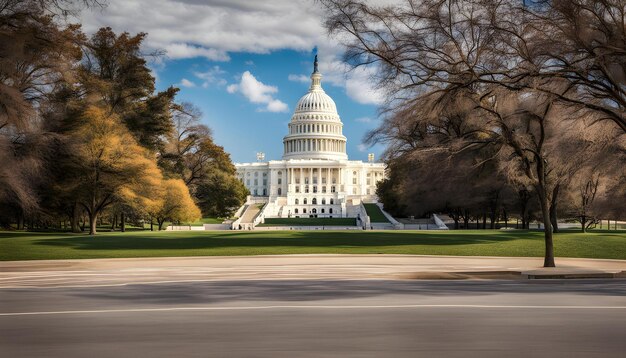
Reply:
x=314, y=177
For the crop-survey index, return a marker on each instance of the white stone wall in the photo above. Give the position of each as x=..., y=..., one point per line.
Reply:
x=289, y=183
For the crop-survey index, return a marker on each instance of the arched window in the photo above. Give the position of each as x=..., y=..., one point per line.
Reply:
x=322, y=210
x=331, y=202
x=330, y=211
x=304, y=201
x=304, y=210
x=295, y=210
x=280, y=191
x=297, y=201
x=314, y=201
x=323, y=202
x=314, y=211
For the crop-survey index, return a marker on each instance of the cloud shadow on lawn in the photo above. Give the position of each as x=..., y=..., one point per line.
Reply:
x=280, y=239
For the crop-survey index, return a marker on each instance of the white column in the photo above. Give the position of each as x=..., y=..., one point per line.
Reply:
x=327, y=179
x=319, y=179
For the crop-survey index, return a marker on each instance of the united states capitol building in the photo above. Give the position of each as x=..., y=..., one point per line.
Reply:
x=315, y=178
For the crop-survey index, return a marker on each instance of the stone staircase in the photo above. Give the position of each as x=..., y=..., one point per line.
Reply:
x=250, y=213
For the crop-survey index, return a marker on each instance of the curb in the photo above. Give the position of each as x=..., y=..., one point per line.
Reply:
x=509, y=275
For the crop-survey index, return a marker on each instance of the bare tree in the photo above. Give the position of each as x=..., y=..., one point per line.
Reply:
x=584, y=42
x=468, y=76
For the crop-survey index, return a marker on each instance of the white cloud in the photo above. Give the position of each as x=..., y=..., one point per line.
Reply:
x=191, y=28
x=362, y=147
x=257, y=92
x=299, y=78
x=364, y=120
x=186, y=83
x=232, y=88
x=277, y=106
x=249, y=63
x=212, y=76
x=214, y=29
x=180, y=50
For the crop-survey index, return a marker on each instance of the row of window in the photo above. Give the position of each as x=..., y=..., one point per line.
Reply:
x=256, y=182
x=306, y=189
x=314, y=128
x=313, y=211
x=314, y=201
x=315, y=117
x=306, y=180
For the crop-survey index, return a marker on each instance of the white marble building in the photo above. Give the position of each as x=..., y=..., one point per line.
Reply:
x=314, y=177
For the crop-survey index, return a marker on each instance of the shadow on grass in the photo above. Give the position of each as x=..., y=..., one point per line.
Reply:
x=293, y=239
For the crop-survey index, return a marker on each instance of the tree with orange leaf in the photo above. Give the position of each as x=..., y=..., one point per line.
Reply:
x=113, y=167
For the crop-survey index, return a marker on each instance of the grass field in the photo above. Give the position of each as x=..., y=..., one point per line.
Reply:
x=32, y=246
x=376, y=216
x=206, y=221
x=309, y=222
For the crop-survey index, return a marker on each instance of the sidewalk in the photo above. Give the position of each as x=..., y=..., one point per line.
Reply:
x=103, y=272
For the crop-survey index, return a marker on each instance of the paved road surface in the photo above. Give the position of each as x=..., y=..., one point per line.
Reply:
x=318, y=318
x=63, y=273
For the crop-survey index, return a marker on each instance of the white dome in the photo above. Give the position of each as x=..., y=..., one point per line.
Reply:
x=315, y=130
x=316, y=101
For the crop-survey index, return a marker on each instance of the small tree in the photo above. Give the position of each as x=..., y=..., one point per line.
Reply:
x=220, y=194
x=175, y=204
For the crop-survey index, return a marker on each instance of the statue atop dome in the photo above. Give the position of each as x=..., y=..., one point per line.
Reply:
x=315, y=65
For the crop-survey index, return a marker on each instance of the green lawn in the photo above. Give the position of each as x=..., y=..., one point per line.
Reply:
x=206, y=221
x=309, y=222
x=31, y=246
x=375, y=214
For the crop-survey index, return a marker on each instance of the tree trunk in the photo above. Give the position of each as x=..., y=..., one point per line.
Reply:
x=151, y=224
x=547, y=230
x=160, y=223
x=93, y=221
x=113, y=222
x=506, y=218
x=583, y=222
x=553, y=209
x=20, y=221
x=484, y=220
x=74, y=219
x=122, y=222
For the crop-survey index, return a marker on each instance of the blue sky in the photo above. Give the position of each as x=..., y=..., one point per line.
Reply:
x=245, y=64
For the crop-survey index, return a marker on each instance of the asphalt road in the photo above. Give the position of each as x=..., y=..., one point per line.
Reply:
x=317, y=318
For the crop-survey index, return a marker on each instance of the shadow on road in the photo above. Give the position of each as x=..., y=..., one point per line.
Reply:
x=314, y=290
